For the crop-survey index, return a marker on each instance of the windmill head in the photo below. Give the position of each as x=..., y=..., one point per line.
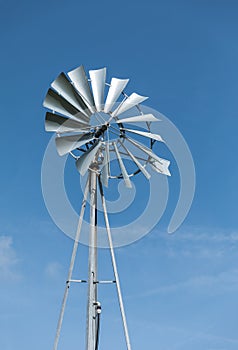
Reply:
x=94, y=120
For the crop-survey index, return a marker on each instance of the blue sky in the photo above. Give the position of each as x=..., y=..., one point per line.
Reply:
x=180, y=291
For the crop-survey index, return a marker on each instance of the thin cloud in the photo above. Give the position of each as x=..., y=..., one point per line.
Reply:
x=198, y=234
x=53, y=270
x=8, y=259
x=206, y=339
x=205, y=243
x=221, y=283
x=194, y=234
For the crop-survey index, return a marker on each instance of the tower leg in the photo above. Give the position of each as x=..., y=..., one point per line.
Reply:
x=71, y=266
x=123, y=314
x=92, y=266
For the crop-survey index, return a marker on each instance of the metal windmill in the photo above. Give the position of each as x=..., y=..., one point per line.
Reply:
x=91, y=130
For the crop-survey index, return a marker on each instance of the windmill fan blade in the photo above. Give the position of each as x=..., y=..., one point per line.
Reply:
x=133, y=100
x=80, y=81
x=139, y=118
x=58, y=104
x=98, y=78
x=163, y=162
x=122, y=166
x=140, y=166
x=106, y=166
x=86, y=159
x=161, y=168
x=66, y=144
x=63, y=86
x=116, y=88
x=146, y=134
x=57, y=123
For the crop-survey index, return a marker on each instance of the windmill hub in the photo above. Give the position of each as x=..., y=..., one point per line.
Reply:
x=101, y=131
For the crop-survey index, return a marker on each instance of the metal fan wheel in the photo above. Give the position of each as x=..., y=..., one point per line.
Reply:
x=101, y=116
x=90, y=127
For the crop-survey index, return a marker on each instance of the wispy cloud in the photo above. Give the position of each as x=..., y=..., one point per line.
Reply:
x=53, y=270
x=8, y=259
x=223, y=282
x=201, y=234
x=205, y=243
x=205, y=338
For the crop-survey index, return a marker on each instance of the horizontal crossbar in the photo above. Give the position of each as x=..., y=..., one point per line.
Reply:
x=78, y=281
x=96, y=282
x=104, y=282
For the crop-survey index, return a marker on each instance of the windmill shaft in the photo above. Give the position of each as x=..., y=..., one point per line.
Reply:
x=92, y=267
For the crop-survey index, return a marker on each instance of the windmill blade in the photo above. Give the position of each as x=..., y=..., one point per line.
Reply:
x=86, y=159
x=162, y=169
x=80, y=81
x=98, y=78
x=133, y=100
x=146, y=134
x=57, y=123
x=106, y=166
x=66, y=144
x=63, y=86
x=116, y=88
x=139, y=118
x=122, y=166
x=140, y=166
x=163, y=162
x=57, y=103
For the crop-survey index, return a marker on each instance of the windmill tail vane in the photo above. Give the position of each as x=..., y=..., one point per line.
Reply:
x=93, y=129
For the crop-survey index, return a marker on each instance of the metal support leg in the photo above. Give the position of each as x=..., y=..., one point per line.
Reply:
x=114, y=266
x=71, y=266
x=92, y=266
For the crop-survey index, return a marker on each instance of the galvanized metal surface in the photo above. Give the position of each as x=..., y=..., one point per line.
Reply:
x=116, y=88
x=98, y=79
x=138, y=119
x=123, y=168
x=80, y=82
x=92, y=266
x=133, y=100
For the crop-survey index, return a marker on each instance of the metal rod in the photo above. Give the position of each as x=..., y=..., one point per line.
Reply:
x=118, y=108
x=97, y=331
x=71, y=266
x=105, y=282
x=123, y=314
x=77, y=281
x=92, y=266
